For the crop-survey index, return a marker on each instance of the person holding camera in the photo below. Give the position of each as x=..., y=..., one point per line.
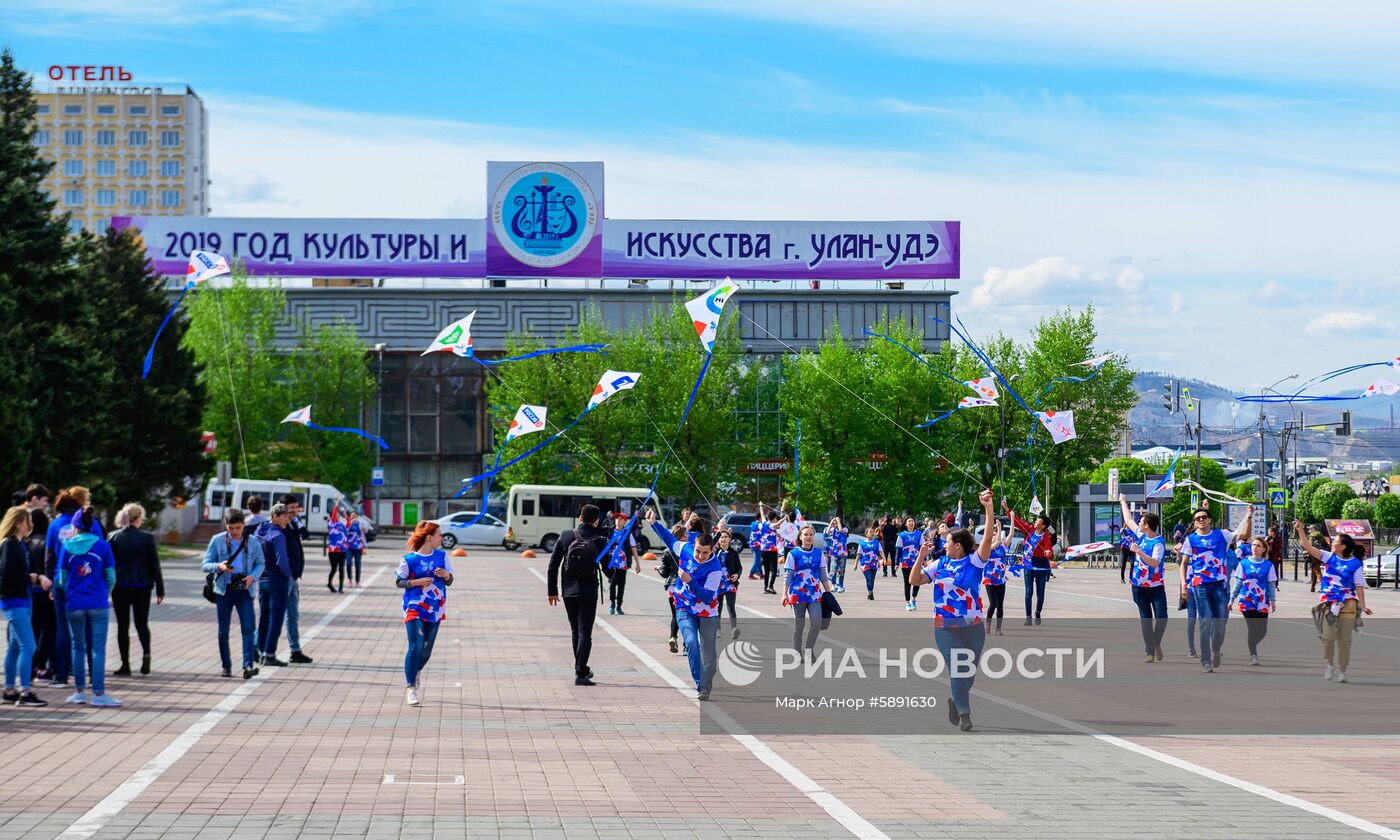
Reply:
x=235, y=559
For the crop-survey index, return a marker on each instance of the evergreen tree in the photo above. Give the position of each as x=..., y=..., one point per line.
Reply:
x=35, y=277
x=146, y=442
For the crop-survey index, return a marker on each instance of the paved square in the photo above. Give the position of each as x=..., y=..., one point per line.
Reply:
x=506, y=746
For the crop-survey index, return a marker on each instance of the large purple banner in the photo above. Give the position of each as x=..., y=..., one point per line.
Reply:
x=781, y=250
x=744, y=250
x=318, y=247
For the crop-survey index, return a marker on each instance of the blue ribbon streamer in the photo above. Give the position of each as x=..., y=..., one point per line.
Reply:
x=361, y=432
x=1065, y=379
x=666, y=456
x=1280, y=398
x=522, y=456
x=577, y=348
x=921, y=360
x=945, y=415
x=151, y=353
x=619, y=534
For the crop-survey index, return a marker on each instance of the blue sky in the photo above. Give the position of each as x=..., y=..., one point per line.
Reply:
x=1220, y=179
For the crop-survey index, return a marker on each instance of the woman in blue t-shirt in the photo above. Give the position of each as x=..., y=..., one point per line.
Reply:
x=87, y=571
x=1343, y=592
x=869, y=559
x=806, y=580
x=1252, y=587
x=423, y=574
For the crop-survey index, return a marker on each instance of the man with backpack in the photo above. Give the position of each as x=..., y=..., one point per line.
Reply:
x=575, y=559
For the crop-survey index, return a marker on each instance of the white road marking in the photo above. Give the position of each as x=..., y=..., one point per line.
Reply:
x=829, y=802
x=113, y=803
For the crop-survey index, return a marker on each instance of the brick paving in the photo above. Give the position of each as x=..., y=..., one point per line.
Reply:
x=506, y=746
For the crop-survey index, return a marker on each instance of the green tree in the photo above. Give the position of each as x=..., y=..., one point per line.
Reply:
x=1212, y=478
x=1388, y=511
x=1328, y=501
x=1303, y=503
x=1358, y=509
x=1129, y=470
x=251, y=384
x=43, y=373
x=149, y=446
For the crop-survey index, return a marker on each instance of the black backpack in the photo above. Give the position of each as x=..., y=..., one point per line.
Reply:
x=581, y=559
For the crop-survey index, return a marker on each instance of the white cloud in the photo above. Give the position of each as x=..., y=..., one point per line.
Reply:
x=1275, y=294
x=1177, y=302
x=1051, y=280
x=278, y=158
x=1330, y=323
x=96, y=18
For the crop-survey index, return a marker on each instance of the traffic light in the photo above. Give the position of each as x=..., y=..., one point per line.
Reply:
x=1345, y=429
x=1169, y=396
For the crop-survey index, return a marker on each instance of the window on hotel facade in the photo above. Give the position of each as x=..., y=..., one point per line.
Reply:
x=73, y=198
x=43, y=137
x=138, y=169
x=137, y=138
x=105, y=198
x=137, y=198
x=72, y=169
x=73, y=137
x=170, y=110
x=106, y=110
x=137, y=110
x=169, y=198
x=45, y=110
x=170, y=169
x=72, y=110
x=169, y=139
x=104, y=138
x=106, y=168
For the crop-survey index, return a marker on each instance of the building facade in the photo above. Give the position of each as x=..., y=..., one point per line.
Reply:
x=432, y=409
x=124, y=151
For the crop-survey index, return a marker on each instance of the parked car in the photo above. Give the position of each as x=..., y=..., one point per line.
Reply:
x=742, y=525
x=489, y=531
x=1383, y=568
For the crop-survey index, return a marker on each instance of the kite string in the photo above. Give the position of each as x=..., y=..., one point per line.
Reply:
x=862, y=399
x=233, y=392
x=920, y=359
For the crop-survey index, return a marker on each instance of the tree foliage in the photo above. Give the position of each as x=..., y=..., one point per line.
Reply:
x=1388, y=511
x=1328, y=501
x=252, y=383
x=1305, y=498
x=1358, y=509
x=76, y=316
x=1129, y=470
x=1212, y=478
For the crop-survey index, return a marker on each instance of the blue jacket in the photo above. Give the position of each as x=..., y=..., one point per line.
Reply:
x=250, y=562
x=276, y=561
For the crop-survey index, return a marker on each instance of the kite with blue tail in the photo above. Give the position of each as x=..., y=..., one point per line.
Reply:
x=204, y=265
x=456, y=338
x=302, y=416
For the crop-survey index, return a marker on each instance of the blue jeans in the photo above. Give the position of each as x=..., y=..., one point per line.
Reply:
x=353, y=559
x=294, y=615
x=757, y=567
x=1152, y=611
x=1212, y=605
x=699, y=634
x=81, y=625
x=62, y=664
x=1035, y=582
x=950, y=639
x=869, y=580
x=421, y=637
x=19, y=655
x=839, y=578
x=224, y=605
x=272, y=610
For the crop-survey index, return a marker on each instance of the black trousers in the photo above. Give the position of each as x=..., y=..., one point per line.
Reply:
x=617, y=585
x=337, y=565
x=1125, y=558
x=889, y=552
x=1256, y=625
x=129, y=602
x=45, y=625
x=996, y=602
x=582, y=610
x=729, y=598
x=910, y=592
x=770, y=569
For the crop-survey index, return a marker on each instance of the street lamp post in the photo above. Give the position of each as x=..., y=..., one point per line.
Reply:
x=1263, y=482
x=378, y=416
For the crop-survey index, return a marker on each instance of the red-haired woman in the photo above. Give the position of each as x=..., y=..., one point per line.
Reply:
x=424, y=575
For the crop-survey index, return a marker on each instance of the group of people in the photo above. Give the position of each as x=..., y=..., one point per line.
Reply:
x=60, y=578
x=262, y=553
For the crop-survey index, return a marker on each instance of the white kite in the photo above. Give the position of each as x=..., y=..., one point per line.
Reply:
x=706, y=310
x=1087, y=548
x=528, y=420
x=455, y=338
x=302, y=416
x=976, y=402
x=1381, y=387
x=986, y=387
x=1060, y=424
x=1095, y=362
x=611, y=382
x=204, y=265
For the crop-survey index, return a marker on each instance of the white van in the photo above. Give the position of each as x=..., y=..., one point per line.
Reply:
x=538, y=513
x=317, y=501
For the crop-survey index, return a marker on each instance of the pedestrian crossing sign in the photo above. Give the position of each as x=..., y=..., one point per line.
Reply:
x=1278, y=498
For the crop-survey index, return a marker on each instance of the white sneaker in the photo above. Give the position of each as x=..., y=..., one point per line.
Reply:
x=418, y=686
x=77, y=697
x=1341, y=676
x=104, y=701
x=412, y=696
x=1327, y=673
x=908, y=606
x=1253, y=659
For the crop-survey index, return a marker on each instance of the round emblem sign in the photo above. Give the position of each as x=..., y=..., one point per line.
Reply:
x=544, y=214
